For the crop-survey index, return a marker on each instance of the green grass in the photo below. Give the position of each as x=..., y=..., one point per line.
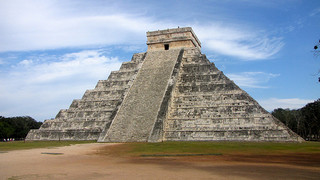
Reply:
x=208, y=148
x=180, y=148
x=19, y=145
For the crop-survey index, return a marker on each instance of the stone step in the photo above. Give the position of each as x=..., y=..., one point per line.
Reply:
x=125, y=66
x=97, y=94
x=217, y=127
x=94, y=104
x=198, y=68
x=223, y=118
x=88, y=113
x=209, y=105
x=204, y=85
x=138, y=57
x=240, y=135
x=102, y=84
x=138, y=113
x=212, y=76
x=218, y=122
x=213, y=115
x=74, y=125
x=75, y=135
x=228, y=86
x=122, y=75
x=212, y=98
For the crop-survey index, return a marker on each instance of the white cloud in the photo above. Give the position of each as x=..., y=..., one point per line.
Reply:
x=68, y=66
x=274, y=103
x=239, y=41
x=39, y=88
x=25, y=62
x=34, y=25
x=252, y=79
x=48, y=83
x=37, y=25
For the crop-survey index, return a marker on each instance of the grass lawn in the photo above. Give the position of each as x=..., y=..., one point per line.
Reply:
x=181, y=148
x=17, y=145
x=212, y=148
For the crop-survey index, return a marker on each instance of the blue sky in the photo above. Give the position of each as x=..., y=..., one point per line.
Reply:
x=52, y=51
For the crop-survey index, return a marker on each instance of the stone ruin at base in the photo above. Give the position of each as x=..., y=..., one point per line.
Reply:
x=172, y=92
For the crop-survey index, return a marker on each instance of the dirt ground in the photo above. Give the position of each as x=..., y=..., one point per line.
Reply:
x=84, y=161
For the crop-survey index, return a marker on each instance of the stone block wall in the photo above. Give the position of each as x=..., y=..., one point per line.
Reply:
x=207, y=106
x=176, y=38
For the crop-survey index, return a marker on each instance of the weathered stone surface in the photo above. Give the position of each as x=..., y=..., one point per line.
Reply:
x=207, y=106
x=173, y=38
x=88, y=117
x=170, y=93
x=139, y=110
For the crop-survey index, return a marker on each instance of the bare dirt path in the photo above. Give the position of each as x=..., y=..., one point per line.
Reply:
x=83, y=161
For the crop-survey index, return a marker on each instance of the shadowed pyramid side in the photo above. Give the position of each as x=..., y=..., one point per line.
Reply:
x=207, y=106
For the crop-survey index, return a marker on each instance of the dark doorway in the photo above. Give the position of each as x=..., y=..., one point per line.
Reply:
x=166, y=47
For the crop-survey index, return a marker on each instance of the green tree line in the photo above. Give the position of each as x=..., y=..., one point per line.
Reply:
x=17, y=127
x=305, y=121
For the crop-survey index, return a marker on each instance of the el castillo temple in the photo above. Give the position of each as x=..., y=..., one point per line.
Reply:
x=172, y=92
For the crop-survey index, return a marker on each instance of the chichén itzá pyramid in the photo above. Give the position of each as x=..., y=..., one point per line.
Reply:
x=172, y=92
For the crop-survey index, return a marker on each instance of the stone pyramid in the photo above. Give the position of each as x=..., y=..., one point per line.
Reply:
x=172, y=92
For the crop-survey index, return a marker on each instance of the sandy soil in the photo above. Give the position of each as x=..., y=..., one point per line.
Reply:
x=85, y=161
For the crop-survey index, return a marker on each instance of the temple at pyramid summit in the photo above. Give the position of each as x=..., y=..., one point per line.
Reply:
x=172, y=92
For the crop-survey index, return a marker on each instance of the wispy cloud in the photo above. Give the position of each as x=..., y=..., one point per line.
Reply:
x=239, y=41
x=36, y=84
x=50, y=25
x=47, y=25
x=274, y=103
x=40, y=84
x=252, y=79
x=315, y=12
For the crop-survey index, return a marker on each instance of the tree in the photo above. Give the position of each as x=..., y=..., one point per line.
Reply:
x=305, y=121
x=311, y=114
x=17, y=127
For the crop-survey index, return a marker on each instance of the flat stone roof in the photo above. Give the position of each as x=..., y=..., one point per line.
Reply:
x=178, y=30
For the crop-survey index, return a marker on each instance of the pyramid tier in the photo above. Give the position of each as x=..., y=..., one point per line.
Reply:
x=86, y=118
x=206, y=105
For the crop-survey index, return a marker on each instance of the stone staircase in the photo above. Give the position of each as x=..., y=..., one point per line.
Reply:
x=86, y=118
x=139, y=111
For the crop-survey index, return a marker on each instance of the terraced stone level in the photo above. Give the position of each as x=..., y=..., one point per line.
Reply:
x=86, y=118
x=207, y=106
